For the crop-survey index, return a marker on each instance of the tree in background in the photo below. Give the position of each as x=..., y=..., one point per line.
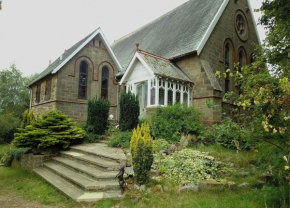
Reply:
x=14, y=99
x=265, y=87
x=14, y=92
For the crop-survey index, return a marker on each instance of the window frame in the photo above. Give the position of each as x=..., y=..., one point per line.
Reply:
x=106, y=88
x=86, y=80
x=37, y=93
x=48, y=89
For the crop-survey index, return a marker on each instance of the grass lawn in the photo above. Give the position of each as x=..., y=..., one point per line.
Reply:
x=27, y=188
x=3, y=149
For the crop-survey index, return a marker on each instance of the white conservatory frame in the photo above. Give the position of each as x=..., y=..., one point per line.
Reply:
x=180, y=89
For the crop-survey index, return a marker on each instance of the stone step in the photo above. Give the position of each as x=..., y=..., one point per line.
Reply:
x=97, y=196
x=72, y=191
x=101, y=163
x=101, y=150
x=81, y=180
x=64, y=186
x=90, y=171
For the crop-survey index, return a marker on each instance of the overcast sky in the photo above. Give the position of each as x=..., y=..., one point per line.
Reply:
x=32, y=32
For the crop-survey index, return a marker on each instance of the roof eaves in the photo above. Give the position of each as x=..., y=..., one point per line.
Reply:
x=253, y=18
x=212, y=26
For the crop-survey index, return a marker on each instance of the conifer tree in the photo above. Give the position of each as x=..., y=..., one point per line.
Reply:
x=52, y=129
x=141, y=147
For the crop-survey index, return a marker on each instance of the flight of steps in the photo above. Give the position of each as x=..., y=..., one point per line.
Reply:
x=85, y=173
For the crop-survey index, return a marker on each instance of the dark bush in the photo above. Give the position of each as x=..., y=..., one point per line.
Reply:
x=8, y=126
x=97, y=119
x=171, y=121
x=129, y=111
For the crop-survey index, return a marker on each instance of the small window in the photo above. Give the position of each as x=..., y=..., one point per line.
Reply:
x=83, y=80
x=170, y=97
x=177, y=97
x=105, y=82
x=48, y=89
x=185, y=98
x=161, y=96
x=37, y=96
x=152, y=98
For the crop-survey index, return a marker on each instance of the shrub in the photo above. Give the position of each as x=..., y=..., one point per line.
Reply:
x=8, y=126
x=53, y=129
x=13, y=153
x=171, y=121
x=231, y=135
x=189, y=165
x=120, y=139
x=28, y=118
x=129, y=111
x=160, y=144
x=97, y=119
x=141, y=147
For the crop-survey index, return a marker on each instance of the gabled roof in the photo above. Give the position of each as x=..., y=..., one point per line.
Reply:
x=180, y=31
x=70, y=53
x=157, y=66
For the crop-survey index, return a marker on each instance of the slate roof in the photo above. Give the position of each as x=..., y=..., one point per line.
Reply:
x=164, y=67
x=174, y=34
x=57, y=62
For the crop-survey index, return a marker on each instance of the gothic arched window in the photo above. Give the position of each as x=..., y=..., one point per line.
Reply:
x=83, y=80
x=227, y=66
x=105, y=82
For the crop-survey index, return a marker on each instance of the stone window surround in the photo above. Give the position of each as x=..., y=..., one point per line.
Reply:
x=48, y=86
x=154, y=84
x=37, y=93
x=107, y=78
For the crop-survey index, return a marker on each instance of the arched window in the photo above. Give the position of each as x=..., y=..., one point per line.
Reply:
x=242, y=62
x=252, y=58
x=170, y=94
x=105, y=82
x=178, y=93
x=83, y=80
x=152, y=92
x=227, y=66
x=185, y=95
x=161, y=92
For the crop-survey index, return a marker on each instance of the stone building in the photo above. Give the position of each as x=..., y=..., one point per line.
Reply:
x=172, y=59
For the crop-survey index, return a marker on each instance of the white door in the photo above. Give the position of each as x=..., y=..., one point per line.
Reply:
x=142, y=90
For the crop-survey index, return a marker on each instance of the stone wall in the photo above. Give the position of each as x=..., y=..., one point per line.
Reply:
x=30, y=161
x=65, y=83
x=225, y=30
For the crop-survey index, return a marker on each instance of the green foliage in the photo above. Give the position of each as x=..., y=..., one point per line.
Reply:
x=13, y=154
x=141, y=147
x=14, y=94
x=120, y=139
x=160, y=144
x=97, y=120
x=171, y=121
x=129, y=111
x=52, y=129
x=229, y=134
x=187, y=166
x=8, y=125
x=27, y=119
